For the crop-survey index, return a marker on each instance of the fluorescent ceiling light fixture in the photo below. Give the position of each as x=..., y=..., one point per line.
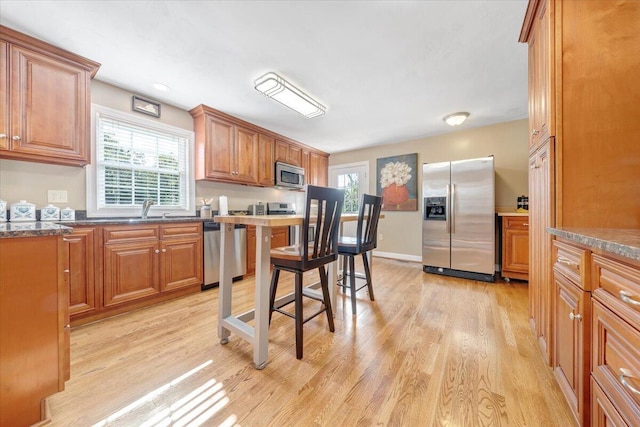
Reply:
x=275, y=87
x=456, y=119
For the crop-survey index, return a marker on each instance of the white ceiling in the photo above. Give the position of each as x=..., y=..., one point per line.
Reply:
x=388, y=71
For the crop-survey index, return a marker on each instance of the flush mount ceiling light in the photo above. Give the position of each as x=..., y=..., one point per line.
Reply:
x=274, y=86
x=456, y=119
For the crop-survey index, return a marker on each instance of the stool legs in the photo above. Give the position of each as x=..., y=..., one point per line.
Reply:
x=367, y=272
x=324, y=283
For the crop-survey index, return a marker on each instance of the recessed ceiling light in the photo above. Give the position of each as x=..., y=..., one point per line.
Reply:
x=456, y=119
x=161, y=87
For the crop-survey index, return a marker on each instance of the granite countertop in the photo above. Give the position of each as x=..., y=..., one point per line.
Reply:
x=32, y=229
x=513, y=213
x=623, y=242
x=123, y=221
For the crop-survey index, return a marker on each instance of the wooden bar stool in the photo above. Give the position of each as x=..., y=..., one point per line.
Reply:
x=312, y=253
x=365, y=241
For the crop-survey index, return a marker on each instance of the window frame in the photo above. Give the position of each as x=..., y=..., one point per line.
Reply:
x=93, y=211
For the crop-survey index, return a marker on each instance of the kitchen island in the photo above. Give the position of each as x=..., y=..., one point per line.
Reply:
x=257, y=335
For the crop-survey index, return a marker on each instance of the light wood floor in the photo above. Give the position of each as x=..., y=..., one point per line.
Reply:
x=430, y=350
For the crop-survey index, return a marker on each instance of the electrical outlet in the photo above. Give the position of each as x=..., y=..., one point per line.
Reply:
x=380, y=236
x=57, y=196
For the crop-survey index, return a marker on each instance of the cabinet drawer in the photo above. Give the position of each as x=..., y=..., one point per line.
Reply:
x=572, y=262
x=181, y=230
x=615, y=362
x=617, y=285
x=126, y=233
x=603, y=413
x=516, y=222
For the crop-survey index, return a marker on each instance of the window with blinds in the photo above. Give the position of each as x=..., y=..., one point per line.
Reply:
x=137, y=159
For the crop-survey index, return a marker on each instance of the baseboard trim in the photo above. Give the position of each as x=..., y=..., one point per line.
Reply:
x=402, y=257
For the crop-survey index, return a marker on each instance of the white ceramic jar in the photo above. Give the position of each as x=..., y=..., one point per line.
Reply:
x=50, y=213
x=22, y=211
x=3, y=211
x=67, y=214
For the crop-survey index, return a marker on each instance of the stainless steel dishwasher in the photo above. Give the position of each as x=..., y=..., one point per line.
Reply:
x=212, y=253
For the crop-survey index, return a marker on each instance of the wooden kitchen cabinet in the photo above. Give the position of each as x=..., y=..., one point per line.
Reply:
x=615, y=362
x=288, y=153
x=572, y=327
x=181, y=250
x=515, y=247
x=34, y=310
x=279, y=238
x=588, y=104
x=266, y=168
x=318, y=170
x=81, y=250
x=45, y=95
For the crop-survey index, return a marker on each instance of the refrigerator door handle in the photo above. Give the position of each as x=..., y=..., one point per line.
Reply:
x=453, y=208
x=447, y=211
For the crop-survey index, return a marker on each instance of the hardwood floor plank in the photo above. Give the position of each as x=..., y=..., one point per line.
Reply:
x=431, y=350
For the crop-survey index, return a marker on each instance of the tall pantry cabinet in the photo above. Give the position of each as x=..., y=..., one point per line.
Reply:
x=584, y=105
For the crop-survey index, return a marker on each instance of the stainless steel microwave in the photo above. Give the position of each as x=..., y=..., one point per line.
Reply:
x=289, y=176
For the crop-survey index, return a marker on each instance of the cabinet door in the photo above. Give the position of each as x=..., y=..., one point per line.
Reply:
x=281, y=153
x=130, y=271
x=571, y=323
x=4, y=96
x=515, y=247
x=541, y=216
x=279, y=237
x=219, y=148
x=603, y=413
x=266, y=168
x=49, y=108
x=246, y=155
x=318, y=170
x=80, y=246
x=295, y=155
x=181, y=263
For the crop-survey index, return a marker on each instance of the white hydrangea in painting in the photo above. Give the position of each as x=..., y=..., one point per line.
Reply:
x=398, y=173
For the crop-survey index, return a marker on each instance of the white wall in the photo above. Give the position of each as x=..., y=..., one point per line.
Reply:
x=508, y=142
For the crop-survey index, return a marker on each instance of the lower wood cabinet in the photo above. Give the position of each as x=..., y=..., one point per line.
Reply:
x=279, y=238
x=34, y=337
x=118, y=268
x=603, y=413
x=515, y=247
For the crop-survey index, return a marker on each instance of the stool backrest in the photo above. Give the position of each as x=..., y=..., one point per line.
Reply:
x=368, y=216
x=323, y=210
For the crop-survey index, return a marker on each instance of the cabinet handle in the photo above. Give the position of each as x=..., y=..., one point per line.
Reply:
x=16, y=138
x=67, y=326
x=3, y=135
x=563, y=260
x=624, y=374
x=66, y=271
x=164, y=250
x=577, y=317
x=626, y=297
x=534, y=167
x=526, y=224
x=157, y=251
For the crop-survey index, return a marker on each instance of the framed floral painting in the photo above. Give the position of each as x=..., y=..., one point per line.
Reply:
x=397, y=182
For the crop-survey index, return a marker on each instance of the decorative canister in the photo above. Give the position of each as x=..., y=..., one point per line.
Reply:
x=3, y=211
x=67, y=214
x=50, y=213
x=22, y=211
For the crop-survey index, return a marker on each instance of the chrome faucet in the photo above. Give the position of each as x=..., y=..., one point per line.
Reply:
x=145, y=207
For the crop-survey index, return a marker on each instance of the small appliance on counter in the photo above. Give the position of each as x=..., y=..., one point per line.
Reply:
x=523, y=203
x=281, y=208
x=258, y=209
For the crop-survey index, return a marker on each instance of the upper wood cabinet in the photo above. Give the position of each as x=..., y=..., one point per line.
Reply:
x=45, y=95
x=231, y=150
x=266, y=162
x=288, y=153
x=537, y=33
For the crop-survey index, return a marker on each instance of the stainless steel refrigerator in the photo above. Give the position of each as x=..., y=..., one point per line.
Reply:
x=458, y=218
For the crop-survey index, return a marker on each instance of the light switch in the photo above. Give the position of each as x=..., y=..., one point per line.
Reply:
x=57, y=196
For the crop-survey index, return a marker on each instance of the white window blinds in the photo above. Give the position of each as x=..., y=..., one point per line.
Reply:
x=136, y=160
